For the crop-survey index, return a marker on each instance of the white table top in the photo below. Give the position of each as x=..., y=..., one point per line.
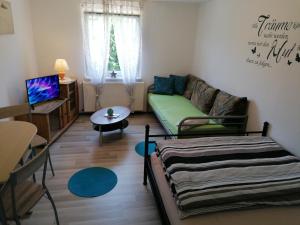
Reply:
x=15, y=138
x=99, y=118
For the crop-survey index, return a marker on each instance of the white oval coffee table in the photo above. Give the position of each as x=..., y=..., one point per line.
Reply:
x=102, y=123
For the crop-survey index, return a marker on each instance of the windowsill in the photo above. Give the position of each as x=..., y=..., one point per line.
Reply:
x=113, y=80
x=119, y=80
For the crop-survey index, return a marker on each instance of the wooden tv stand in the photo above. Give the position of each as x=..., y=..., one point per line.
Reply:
x=49, y=119
x=54, y=117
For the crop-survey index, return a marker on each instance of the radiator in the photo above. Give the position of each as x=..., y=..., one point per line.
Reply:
x=113, y=94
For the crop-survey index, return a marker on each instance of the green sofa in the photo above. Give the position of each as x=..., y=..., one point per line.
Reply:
x=201, y=110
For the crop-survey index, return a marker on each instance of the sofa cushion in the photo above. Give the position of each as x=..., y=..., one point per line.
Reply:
x=189, y=124
x=163, y=85
x=179, y=84
x=203, y=96
x=228, y=105
x=190, y=85
x=172, y=109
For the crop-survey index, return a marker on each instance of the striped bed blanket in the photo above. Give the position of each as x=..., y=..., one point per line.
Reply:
x=224, y=173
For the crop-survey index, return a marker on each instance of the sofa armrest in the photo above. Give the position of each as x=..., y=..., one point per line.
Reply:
x=150, y=89
x=191, y=122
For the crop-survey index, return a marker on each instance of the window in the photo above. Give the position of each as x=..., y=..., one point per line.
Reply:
x=112, y=39
x=113, y=62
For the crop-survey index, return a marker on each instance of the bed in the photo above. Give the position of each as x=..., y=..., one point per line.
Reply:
x=169, y=211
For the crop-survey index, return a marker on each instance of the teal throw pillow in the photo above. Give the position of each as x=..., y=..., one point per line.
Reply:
x=163, y=85
x=179, y=84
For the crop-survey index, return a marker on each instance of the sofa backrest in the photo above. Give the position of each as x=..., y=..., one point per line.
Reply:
x=229, y=105
x=203, y=97
x=191, y=83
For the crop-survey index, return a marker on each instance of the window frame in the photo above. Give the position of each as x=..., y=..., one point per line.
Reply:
x=108, y=77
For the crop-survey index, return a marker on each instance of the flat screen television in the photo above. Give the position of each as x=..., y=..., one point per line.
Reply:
x=42, y=89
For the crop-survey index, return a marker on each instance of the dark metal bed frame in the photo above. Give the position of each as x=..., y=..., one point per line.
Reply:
x=148, y=172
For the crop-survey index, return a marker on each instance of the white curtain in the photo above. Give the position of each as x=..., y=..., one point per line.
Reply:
x=124, y=7
x=128, y=39
x=96, y=49
x=98, y=17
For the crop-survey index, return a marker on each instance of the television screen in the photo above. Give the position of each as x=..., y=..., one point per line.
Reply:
x=42, y=89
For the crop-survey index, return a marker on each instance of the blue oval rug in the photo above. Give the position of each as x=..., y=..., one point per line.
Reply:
x=140, y=148
x=92, y=182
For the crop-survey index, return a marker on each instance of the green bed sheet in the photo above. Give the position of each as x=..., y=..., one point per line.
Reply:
x=171, y=109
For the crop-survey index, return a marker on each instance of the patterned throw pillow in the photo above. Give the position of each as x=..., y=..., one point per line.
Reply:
x=163, y=85
x=228, y=105
x=190, y=85
x=203, y=97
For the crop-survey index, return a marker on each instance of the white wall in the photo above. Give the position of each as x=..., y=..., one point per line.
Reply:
x=224, y=30
x=168, y=36
x=17, y=56
x=57, y=34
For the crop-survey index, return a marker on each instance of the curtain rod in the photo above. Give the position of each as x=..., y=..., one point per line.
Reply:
x=95, y=2
x=113, y=14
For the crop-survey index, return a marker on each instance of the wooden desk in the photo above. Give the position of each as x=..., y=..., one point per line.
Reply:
x=15, y=138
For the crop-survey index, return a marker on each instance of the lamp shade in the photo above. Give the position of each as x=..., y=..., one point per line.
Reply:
x=61, y=65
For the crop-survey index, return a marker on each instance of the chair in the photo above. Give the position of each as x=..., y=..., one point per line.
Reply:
x=2, y=214
x=24, y=110
x=19, y=195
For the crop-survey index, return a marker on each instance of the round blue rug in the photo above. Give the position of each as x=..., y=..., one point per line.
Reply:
x=92, y=182
x=140, y=148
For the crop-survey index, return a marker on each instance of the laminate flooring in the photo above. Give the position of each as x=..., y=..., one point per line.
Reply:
x=130, y=202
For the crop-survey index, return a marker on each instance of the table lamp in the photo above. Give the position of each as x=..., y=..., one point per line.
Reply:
x=61, y=66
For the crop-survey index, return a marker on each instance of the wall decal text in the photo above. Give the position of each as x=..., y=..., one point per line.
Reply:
x=274, y=44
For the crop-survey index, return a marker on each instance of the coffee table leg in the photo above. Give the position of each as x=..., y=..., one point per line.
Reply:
x=100, y=135
x=123, y=126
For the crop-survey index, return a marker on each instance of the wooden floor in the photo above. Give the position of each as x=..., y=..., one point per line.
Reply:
x=130, y=202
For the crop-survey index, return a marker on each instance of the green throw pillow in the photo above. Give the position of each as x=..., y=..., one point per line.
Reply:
x=163, y=85
x=179, y=84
